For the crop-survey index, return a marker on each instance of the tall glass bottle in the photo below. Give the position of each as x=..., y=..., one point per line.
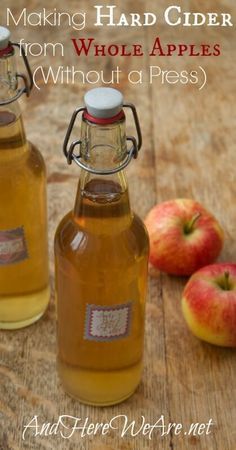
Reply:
x=101, y=256
x=24, y=278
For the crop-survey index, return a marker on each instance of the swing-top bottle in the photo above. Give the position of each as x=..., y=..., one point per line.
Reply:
x=101, y=255
x=24, y=279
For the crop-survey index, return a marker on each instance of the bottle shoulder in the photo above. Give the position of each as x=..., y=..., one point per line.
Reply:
x=35, y=157
x=139, y=234
x=139, y=224
x=71, y=236
x=23, y=162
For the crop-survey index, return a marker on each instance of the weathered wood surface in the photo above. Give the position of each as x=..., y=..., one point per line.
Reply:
x=188, y=151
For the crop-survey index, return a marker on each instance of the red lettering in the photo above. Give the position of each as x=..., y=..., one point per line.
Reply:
x=171, y=49
x=206, y=50
x=182, y=49
x=83, y=48
x=138, y=50
x=113, y=50
x=99, y=50
x=157, y=48
x=217, y=50
x=193, y=51
x=86, y=46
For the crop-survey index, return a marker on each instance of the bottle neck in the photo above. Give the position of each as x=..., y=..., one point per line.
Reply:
x=8, y=76
x=12, y=133
x=103, y=147
x=103, y=200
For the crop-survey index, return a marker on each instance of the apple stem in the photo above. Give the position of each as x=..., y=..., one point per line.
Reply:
x=189, y=226
x=226, y=285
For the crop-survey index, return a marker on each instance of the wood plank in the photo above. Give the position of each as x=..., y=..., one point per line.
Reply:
x=29, y=383
x=194, y=147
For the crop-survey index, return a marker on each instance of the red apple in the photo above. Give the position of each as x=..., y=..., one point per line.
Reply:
x=184, y=236
x=209, y=304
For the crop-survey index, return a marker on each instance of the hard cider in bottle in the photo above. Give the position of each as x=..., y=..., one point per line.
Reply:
x=24, y=279
x=101, y=257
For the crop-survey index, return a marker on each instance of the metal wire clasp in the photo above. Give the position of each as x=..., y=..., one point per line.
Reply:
x=131, y=153
x=28, y=80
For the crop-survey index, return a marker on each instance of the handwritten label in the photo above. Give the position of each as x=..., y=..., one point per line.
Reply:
x=12, y=246
x=106, y=323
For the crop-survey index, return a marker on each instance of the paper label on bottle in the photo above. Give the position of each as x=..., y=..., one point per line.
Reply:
x=13, y=247
x=106, y=323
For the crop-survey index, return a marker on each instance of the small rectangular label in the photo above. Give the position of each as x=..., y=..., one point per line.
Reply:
x=106, y=323
x=12, y=246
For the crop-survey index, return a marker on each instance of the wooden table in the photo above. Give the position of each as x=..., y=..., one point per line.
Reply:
x=188, y=151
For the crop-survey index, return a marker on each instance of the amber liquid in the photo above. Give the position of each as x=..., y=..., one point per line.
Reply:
x=101, y=252
x=24, y=291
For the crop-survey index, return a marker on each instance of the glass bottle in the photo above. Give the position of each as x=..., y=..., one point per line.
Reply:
x=24, y=278
x=101, y=258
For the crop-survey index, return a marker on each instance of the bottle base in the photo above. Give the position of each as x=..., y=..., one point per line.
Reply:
x=101, y=405
x=32, y=305
x=100, y=388
x=21, y=324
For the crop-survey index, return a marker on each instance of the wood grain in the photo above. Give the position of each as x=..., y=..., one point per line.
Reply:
x=188, y=151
